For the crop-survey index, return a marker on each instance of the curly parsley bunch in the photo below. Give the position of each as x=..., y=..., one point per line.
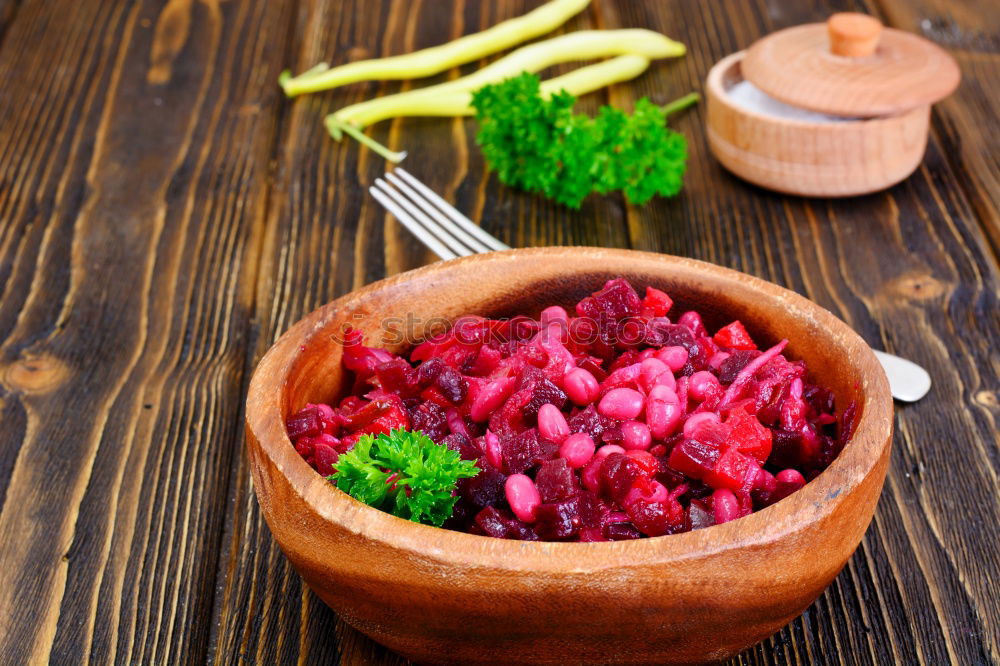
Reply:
x=404, y=473
x=540, y=145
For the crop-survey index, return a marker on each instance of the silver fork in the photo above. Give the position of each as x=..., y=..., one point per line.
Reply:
x=449, y=234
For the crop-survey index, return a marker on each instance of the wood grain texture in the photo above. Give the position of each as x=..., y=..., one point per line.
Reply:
x=134, y=142
x=964, y=123
x=164, y=216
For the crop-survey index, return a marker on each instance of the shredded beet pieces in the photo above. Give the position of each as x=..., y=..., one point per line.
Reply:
x=619, y=422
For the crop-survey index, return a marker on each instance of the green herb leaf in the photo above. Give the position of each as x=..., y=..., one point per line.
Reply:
x=540, y=145
x=404, y=473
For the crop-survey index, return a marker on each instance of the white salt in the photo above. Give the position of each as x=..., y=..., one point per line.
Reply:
x=748, y=96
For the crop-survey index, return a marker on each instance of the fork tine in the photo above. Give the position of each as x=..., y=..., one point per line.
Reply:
x=427, y=223
x=407, y=221
x=476, y=245
x=449, y=210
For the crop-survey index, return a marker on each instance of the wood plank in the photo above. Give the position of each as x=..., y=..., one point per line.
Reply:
x=904, y=268
x=907, y=269
x=8, y=9
x=134, y=144
x=965, y=122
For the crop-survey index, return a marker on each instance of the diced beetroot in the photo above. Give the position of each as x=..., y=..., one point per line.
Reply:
x=558, y=520
x=694, y=458
x=591, y=534
x=394, y=419
x=616, y=301
x=325, y=455
x=519, y=451
x=593, y=510
x=657, y=518
x=484, y=489
x=748, y=435
x=362, y=360
x=451, y=385
x=699, y=515
x=621, y=532
x=734, y=363
x=304, y=422
x=305, y=446
x=692, y=320
x=617, y=474
x=431, y=420
x=396, y=376
x=648, y=463
x=492, y=522
x=556, y=481
x=656, y=303
x=734, y=336
x=734, y=471
x=588, y=420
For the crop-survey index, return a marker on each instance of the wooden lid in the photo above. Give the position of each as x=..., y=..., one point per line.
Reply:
x=851, y=66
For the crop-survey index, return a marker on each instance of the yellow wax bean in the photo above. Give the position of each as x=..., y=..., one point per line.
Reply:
x=427, y=62
x=582, y=45
x=459, y=103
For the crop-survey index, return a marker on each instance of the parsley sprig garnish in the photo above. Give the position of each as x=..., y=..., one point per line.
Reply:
x=404, y=473
x=540, y=145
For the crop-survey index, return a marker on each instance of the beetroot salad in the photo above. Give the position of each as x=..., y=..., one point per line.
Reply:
x=616, y=422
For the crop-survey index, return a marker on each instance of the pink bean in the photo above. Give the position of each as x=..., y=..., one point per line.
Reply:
x=725, y=506
x=607, y=450
x=790, y=477
x=650, y=369
x=703, y=384
x=674, y=357
x=636, y=436
x=490, y=398
x=621, y=404
x=577, y=449
x=697, y=421
x=629, y=373
x=494, y=454
x=662, y=418
x=646, y=353
x=523, y=497
x=667, y=379
x=580, y=386
x=552, y=424
x=663, y=393
x=786, y=482
x=765, y=481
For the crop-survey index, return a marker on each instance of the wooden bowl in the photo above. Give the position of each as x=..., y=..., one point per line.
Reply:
x=808, y=158
x=439, y=596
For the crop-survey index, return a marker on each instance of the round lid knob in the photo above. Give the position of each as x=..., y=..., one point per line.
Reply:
x=850, y=66
x=853, y=35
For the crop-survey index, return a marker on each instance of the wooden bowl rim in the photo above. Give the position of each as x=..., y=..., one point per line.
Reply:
x=717, y=89
x=872, y=435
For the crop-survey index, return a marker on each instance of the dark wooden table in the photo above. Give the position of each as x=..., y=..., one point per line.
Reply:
x=165, y=213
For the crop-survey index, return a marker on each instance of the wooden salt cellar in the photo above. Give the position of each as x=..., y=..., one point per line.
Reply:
x=882, y=81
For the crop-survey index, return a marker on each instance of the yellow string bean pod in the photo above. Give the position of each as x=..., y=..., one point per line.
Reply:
x=427, y=62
